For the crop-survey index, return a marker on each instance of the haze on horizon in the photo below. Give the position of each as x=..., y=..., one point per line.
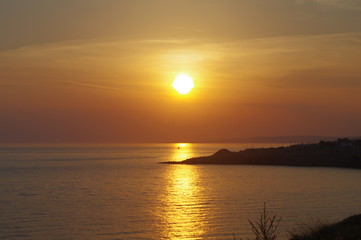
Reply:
x=101, y=71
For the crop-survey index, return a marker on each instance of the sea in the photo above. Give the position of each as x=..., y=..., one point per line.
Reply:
x=95, y=192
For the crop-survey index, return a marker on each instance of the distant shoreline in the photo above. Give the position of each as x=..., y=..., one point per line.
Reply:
x=343, y=153
x=297, y=139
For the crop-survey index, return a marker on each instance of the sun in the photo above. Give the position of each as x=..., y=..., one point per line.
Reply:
x=183, y=83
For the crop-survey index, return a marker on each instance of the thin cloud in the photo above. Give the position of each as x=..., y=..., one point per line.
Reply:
x=347, y=4
x=94, y=86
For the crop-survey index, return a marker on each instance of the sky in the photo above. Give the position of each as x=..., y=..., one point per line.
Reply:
x=100, y=71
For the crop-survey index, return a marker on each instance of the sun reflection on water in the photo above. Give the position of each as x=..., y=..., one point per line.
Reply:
x=182, y=152
x=184, y=213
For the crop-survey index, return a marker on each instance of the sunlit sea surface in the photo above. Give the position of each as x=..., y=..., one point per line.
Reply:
x=120, y=192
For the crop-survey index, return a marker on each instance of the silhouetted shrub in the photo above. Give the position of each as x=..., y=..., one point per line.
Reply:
x=265, y=228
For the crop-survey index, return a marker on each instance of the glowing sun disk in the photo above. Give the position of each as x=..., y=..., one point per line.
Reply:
x=183, y=83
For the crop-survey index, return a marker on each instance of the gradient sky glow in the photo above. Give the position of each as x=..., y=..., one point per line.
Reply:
x=101, y=70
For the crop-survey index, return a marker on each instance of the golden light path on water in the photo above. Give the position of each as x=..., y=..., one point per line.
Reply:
x=182, y=151
x=184, y=213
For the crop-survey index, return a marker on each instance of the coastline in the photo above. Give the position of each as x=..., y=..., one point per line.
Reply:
x=343, y=153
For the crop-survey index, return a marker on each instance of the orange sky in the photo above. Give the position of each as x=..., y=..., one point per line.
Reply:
x=101, y=71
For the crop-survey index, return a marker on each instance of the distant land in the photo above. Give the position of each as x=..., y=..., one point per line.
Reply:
x=278, y=139
x=343, y=152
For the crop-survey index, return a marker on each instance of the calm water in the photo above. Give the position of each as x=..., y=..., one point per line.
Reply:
x=120, y=192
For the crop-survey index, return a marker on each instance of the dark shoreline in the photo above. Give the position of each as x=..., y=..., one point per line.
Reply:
x=346, y=229
x=343, y=153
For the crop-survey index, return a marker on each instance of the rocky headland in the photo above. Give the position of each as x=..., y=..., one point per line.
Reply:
x=343, y=153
